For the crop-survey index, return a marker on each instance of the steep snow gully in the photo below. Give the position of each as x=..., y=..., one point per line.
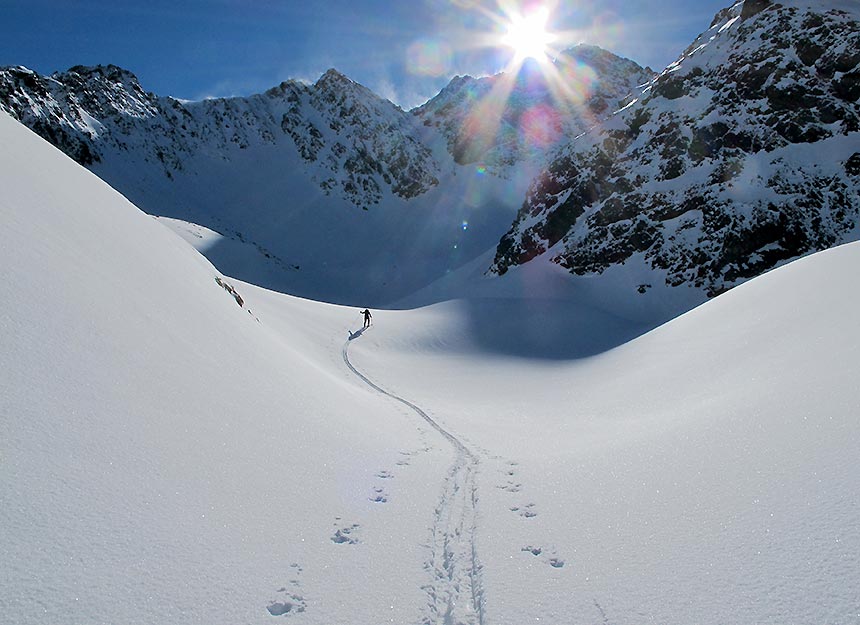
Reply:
x=455, y=592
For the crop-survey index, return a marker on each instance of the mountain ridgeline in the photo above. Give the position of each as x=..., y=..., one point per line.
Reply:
x=740, y=156
x=354, y=142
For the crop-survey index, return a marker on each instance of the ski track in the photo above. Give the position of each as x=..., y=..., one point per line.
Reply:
x=455, y=593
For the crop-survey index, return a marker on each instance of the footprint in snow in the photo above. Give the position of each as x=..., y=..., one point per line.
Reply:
x=346, y=535
x=288, y=602
x=510, y=485
x=291, y=604
x=404, y=462
x=379, y=496
x=550, y=558
x=526, y=511
x=295, y=581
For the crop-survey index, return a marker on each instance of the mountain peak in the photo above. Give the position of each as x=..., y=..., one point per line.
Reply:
x=333, y=78
x=110, y=72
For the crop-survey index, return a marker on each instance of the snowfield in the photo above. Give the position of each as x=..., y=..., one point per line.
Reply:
x=518, y=455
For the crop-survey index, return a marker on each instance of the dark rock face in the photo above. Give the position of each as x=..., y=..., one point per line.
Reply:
x=754, y=7
x=852, y=165
x=717, y=174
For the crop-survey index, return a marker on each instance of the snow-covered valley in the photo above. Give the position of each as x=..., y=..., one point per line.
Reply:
x=544, y=422
x=527, y=452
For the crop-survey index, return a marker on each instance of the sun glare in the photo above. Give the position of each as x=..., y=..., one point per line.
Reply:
x=528, y=37
x=554, y=84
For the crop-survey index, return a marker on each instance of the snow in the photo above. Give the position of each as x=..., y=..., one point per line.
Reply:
x=729, y=24
x=527, y=452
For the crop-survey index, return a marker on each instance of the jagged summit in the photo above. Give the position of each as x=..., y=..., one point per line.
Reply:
x=336, y=125
x=332, y=78
x=108, y=71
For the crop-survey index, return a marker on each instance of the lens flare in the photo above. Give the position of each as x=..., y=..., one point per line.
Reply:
x=540, y=92
x=429, y=57
x=540, y=125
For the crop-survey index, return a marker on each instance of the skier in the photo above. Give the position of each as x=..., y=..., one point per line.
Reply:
x=367, y=317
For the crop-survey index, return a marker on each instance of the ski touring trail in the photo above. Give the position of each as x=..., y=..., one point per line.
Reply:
x=455, y=592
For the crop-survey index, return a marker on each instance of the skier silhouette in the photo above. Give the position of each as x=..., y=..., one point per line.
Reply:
x=367, y=317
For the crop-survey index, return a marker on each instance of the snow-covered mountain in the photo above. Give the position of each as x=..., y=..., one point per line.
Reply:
x=742, y=155
x=355, y=143
x=503, y=120
x=281, y=177
x=168, y=456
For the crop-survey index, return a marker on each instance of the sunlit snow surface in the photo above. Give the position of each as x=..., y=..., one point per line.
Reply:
x=167, y=456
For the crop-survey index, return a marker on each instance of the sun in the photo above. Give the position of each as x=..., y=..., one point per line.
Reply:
x=528, y=37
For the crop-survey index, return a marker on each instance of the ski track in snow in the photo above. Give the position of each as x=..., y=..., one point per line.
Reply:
x=455, y=594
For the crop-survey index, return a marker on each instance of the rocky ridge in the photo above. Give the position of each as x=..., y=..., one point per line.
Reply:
x=353, y=143
x=740, y=156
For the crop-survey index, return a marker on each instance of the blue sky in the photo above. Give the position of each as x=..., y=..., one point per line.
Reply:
x=405, y=51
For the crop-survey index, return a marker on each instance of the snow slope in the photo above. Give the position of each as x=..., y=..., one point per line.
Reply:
x=167, y=456
x=702, y=473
